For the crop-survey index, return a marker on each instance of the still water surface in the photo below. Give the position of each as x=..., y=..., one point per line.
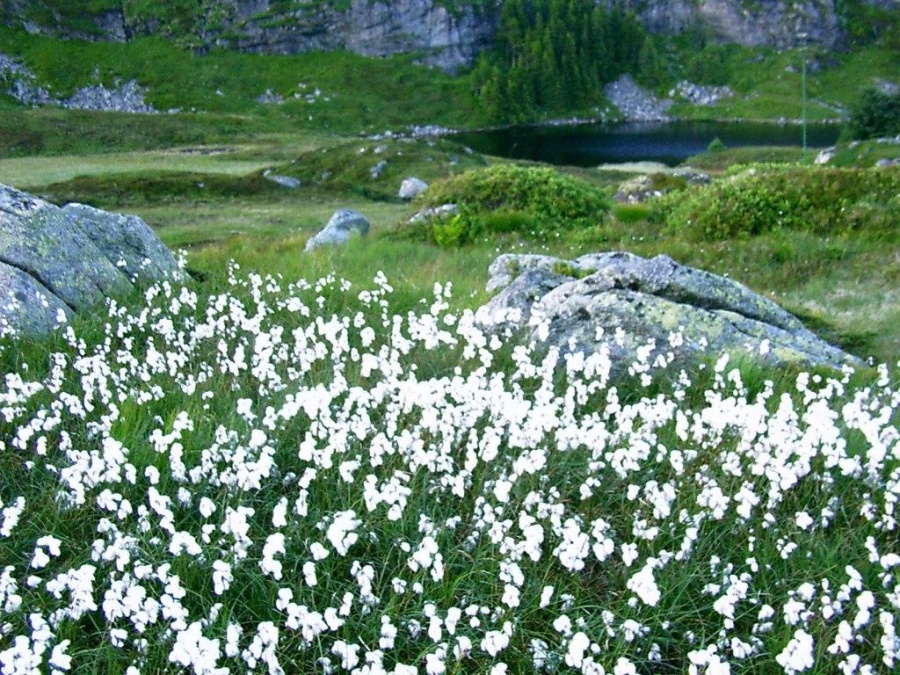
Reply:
x=668, y=142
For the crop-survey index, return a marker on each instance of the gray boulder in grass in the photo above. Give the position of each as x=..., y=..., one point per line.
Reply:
x=342, y=224
x=69, y=259
x=411, y=188
x=646, y=313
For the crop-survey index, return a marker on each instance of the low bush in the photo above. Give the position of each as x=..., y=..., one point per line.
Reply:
x=875, y=114
x=504, y=199
x=761, y=199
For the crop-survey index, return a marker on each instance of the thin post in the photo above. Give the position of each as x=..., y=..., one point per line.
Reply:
x=802, y=37
x=804, y=103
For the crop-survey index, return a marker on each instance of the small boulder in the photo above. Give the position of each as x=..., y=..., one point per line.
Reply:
x=825, y=156
x=284, y=181
x=339, y=228
x=434, y=213
x=411, y=188
x=378, y=169
x=636, y=190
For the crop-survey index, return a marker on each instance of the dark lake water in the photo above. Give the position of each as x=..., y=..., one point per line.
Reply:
x=669, y=142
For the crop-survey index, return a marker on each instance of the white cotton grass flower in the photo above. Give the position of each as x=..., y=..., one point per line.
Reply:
x=578, y=645
x=222, y=577
x=341, y=532
x=9, y=516
x=707, y=662
x=643, y=584
x=799, y=654
x=274, y=546
x=193, y=650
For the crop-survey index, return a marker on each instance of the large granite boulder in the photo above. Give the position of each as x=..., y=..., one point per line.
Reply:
x=55, y=261
x=342, y=224
x=647, y=313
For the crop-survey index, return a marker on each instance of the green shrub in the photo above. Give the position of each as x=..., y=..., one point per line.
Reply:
x=716, y=145
x=551, y=199
x=816, y=200
x=631, y=213
x=504, y=199
x=876, y=114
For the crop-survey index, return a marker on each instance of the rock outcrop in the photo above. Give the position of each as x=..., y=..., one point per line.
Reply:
x=700, y=95
x=56, y=261
x=636, y=103
x=340, y=227
x=447, y=35
x=646, y=313
x=446, y=38
x=23, y=86
x=773, y=23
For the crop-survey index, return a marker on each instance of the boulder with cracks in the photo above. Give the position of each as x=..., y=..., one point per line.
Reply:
x=55, y=262
x=646, y=313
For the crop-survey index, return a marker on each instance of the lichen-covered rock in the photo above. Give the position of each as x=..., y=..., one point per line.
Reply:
x=38, y=238
x=342, y=224
x=431, y=213
x=126, y=241
x=26, y=305
x=647, y=312
x=70, y=259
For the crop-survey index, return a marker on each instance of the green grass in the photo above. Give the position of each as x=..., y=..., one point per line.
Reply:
x=864, y=153
x=354, y=93
x=721, y=160
x=35, y=172
x=768, y=84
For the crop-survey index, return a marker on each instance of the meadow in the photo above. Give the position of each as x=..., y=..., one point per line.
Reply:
x=293, y=462
x=289, y=475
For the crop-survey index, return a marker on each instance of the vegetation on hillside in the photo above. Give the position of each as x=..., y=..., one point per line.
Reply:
x=334, y=92
x=876, y=114
x=867, y=23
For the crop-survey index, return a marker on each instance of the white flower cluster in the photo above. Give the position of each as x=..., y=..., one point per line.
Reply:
x=251, y=483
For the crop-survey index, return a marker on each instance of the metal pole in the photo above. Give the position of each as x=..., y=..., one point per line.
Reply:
x=804, y=103
x=802, y=37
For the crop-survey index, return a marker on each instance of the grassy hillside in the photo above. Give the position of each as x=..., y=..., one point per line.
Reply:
x=337, y=92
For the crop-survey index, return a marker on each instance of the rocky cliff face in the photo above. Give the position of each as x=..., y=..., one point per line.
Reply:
x=773, y=23
x=445, y=39
x=448, y=38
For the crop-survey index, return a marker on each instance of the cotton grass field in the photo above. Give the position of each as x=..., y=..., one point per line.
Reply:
x=288, y=475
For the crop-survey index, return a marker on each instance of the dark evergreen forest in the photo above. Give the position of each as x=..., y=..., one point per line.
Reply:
x=556, y=55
